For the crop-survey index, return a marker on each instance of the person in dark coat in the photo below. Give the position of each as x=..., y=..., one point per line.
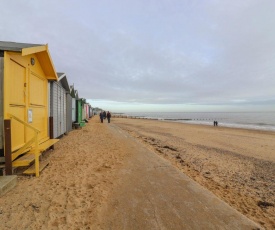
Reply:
x=104, y=114
x=109, y=116
x=101, y=117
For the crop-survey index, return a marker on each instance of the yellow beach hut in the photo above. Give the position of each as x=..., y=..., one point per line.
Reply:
x=25, y=70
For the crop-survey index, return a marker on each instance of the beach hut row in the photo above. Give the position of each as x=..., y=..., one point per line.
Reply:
x=37, y=106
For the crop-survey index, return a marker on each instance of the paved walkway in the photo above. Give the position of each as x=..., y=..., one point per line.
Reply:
x=153, y=194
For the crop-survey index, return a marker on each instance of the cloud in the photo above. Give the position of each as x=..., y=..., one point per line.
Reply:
x=155, y=52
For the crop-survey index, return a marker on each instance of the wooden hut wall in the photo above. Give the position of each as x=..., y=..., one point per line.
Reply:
x=87, y=111
x=69, y=112
x=58, y=109
x=73, y=110
x=90, y=111
x=83, y=111
x=1, y=101
x=79, y=110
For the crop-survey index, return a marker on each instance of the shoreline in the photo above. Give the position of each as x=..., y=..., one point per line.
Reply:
x=196, y=124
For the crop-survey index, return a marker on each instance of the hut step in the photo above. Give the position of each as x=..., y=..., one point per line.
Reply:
x=45, y=145
x=31, y=170
x=29, y=157
x=25, y=160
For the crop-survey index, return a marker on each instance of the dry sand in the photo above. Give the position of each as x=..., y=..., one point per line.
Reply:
x=236, y=165
x=71, y=190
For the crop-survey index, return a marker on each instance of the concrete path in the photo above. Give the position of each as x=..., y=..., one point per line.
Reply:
x=153, y=194
x=7, y=183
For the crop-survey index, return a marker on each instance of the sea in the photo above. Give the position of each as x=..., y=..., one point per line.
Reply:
x=245, y=120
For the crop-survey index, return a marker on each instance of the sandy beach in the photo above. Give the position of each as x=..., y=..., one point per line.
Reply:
x=84, y=172
x=237, y=165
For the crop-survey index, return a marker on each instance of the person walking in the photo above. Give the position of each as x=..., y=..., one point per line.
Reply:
x=109, y=116
x=101, y=117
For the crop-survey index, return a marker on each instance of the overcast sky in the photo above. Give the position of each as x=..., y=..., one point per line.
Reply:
x=155, y=55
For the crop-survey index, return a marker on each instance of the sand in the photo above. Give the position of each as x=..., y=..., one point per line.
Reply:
x=84, y=172
x=71, y=190
x=237, y=165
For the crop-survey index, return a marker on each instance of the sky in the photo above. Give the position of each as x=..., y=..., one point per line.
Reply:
x=155, y=55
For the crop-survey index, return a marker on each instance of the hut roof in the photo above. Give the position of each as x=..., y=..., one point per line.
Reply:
x=15, y=46
x=74, y=92
x=41, y=51
x=62, y=78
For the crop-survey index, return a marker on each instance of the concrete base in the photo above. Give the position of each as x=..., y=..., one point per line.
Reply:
x=2, y=170
x=7, y=183
x=82, y=123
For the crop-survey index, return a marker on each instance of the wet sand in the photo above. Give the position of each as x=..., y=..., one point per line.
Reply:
x=85, y=171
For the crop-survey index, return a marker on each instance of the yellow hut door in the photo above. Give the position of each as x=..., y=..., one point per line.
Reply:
x=37, y=105
x=17, y=103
